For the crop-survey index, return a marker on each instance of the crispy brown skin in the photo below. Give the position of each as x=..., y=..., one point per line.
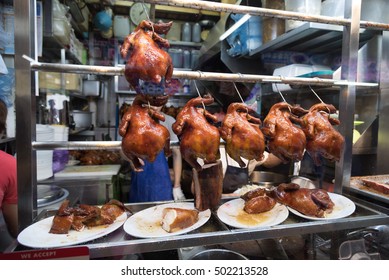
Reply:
x=63, y=219
x=147, y=60
x=185, y=218
x=242, y=134
x=198, y=137
x=322, y=138
x=77, y=218
x=143, y=137
x=311, y=202
x=284, y=139
x=259, y=204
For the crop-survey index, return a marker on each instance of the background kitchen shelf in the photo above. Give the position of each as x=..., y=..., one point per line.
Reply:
x=312, y=37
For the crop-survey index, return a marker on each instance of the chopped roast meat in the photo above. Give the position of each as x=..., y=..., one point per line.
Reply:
x=63, y=219
x=175, y=219
x=310, y=202
x=84, y=215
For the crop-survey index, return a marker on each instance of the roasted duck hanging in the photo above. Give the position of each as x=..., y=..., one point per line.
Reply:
x=285, y=139
x=143, y=136
x=241, y=132
x=148, y=61
x=323, y=140
x=198, y=137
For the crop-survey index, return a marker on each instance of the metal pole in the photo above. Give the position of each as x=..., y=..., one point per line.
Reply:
x=348, y=93
x=241, y=9
x=196, y=75
x=25, y=111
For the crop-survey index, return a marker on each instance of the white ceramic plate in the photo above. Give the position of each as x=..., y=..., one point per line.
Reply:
x=147, y=223
x=232, y=213
x=343, y=207
x=37, y=235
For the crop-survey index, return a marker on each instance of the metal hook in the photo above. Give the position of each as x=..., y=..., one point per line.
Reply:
x=240, y=96
x=319, y=98
x=147, y=15
x=198, y=93
x=282, y=96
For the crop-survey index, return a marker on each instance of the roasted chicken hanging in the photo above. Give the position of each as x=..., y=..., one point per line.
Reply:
x=323, y=140
x=198, y=137
x=284, y=138
x=310, y=202
x=143, y=136
x=241, y=132
x=147, y=61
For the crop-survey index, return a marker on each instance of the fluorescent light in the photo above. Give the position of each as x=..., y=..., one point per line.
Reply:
x=235, y=26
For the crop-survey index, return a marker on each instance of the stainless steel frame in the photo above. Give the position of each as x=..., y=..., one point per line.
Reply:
x=25, y=111
x=26, y=145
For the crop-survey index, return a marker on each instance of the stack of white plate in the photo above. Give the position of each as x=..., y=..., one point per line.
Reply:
x=61, y=132
x=44, y=159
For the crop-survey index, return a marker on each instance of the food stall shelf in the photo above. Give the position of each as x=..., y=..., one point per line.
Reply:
x=312, y=37
x=119, y=243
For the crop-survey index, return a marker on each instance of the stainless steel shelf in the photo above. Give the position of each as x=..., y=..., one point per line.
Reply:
x=215, y=232
x=312, y=37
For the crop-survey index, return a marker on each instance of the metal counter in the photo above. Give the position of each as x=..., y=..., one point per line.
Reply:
x=119, y=243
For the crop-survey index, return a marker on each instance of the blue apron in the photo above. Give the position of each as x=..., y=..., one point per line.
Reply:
x=153, y=183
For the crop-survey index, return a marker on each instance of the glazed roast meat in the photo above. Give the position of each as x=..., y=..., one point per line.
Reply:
x=285, y=139
x=198, y=137
x=258, y=201
x=310, y=202
x=242, y=134
x=143, y=136
x=83, y=215
x=323, y=140
x=147, y=61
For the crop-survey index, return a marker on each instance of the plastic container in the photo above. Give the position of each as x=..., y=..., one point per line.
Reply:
x=310, y=7
x=186, y=35
x=273, y=27
x=194, y=58
x=121, y=26
x=332, y=8
x=177, y=57
x=294, y=70
x=61, y=30
x=196, y=33
x=187, y=62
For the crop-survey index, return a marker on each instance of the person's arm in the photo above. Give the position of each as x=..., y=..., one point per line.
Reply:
x=10, y=213
x=177, y=170
x=271, y=161
x=177, y=166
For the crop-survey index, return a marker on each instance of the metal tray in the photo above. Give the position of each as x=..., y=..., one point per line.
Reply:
x=357, y=185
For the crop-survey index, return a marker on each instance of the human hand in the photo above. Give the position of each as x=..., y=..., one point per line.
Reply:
x=178, y=194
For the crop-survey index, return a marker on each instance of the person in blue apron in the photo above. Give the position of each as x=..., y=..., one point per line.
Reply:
x=154, y=182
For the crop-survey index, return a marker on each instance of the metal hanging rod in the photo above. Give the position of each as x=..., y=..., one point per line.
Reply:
x=195, y=75
x=241, y=9
x=82, y=145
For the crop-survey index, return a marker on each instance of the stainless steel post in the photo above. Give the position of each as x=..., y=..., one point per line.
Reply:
x=348, y=93
x=25, y=111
